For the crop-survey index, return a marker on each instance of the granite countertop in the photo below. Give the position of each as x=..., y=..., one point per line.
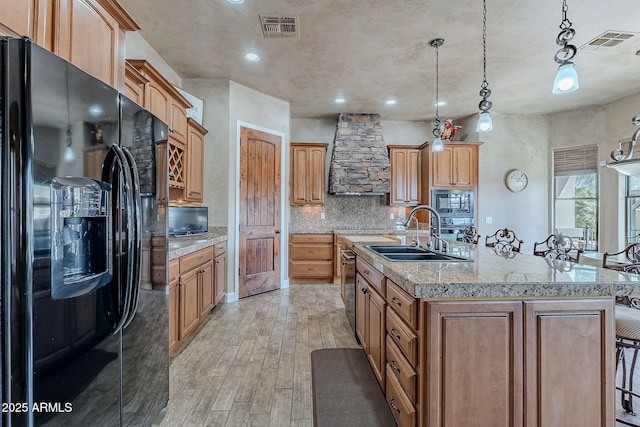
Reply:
x=490, y=275
x=391, y=231
x=180, y=246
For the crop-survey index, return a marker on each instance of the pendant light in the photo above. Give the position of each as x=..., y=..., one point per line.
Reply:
x=485, y=124
x=623, y=160
x=437, y=145
x=566, y=79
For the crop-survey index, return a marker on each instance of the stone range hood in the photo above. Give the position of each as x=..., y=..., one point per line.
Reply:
x=360, y=160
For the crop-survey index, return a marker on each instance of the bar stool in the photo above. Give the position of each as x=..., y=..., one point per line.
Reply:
x=504, y=241
x=468, y=234
x=627, y=338
x=558, y=246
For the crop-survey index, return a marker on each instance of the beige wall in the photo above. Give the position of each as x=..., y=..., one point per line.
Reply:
x=603, y=125
x=138, y=48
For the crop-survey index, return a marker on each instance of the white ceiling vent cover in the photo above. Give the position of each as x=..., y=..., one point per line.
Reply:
x=608, y=39
x=279, y=26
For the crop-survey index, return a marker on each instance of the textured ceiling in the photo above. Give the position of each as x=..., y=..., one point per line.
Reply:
x=367, y=51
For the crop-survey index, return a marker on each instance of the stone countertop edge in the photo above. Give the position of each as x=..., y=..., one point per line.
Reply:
x=385, y=232
x=440, y=280
x=193, y=244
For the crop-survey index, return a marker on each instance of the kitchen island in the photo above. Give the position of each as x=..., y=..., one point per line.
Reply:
x=496, y=341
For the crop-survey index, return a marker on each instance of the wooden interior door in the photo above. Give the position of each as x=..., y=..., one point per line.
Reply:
x=259, y=212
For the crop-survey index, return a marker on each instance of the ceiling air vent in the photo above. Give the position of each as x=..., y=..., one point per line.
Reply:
x=607, y=39
x=279, y=26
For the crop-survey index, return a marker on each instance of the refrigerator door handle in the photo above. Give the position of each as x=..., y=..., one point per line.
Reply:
x=116, y=153
x=136, y=255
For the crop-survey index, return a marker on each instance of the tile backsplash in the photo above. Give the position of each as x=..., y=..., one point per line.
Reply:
x=347, y=213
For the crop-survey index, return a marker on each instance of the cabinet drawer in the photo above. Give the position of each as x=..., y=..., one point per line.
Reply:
x=402, y=370
x=159, y=275
x=311, y=238
x=174, y=270
x=373, y=276
x=158, y=256
x=401, y=408
x=404, y=304
x=311, y=269
x=219, y=248
x=313, y=252
x=403, y=336
x=193, y=260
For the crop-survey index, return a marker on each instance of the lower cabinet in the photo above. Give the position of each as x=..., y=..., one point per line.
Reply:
x=371, y=316
x=311, y=258
x=220, y=271
x=194, y=291
x=501, y=362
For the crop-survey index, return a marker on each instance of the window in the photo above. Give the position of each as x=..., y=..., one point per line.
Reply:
x=633, y=210
x=575, y=203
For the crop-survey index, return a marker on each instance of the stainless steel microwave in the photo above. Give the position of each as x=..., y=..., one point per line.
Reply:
x=453, y=203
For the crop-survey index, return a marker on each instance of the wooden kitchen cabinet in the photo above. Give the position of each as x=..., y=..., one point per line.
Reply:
x=308, y=173
x=88, y=33
x=311, y=258
x=192, y=291
x=174, y=305
x=165, y=102
x=195, y=161
x=456, y=167
x=405, y=175
x=371, y=316
x=220, y=271
x=134, y=83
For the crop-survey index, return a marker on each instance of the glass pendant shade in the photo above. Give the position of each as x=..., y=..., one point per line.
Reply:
x=69, y=155
x=485, y=124
x=566, y=79
x=437, y=145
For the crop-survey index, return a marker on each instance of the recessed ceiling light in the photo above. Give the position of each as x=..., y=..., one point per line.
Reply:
x=253, y=57
x=441, y=103
x=340, y=100
x=235, y=1
x=391, y=102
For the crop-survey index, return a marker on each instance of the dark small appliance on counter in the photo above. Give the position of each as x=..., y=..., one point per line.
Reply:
x=188, y=221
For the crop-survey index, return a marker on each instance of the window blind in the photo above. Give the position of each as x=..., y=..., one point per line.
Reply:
x=575, y=160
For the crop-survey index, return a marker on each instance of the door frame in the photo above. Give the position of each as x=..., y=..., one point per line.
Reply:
x=284, y=216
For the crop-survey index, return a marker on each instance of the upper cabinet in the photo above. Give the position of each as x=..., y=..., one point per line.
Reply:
x=308, y=173
x=195, y=159
x=185, y=152
x=405, y=175
x=88, y=33
x=456, y=167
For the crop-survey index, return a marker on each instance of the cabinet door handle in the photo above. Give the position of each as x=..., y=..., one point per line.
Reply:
x=395, y=301
x=202, y=270
x=277, y=231
x=364, y=290
x=394, y=333
x=179, y=283
x=393, y=366
x=392, y=405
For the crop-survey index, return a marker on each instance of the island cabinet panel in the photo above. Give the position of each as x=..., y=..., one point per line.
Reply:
x=174, y=305
x=371, y=317
x=473, y=364
x=570, y=364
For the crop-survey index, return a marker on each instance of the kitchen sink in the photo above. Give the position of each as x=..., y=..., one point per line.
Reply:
x=414, y=254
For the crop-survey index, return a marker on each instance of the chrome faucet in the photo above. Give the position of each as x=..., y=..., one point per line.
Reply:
x=435, y=213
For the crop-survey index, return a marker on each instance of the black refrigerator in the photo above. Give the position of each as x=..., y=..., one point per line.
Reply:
x=83, y=321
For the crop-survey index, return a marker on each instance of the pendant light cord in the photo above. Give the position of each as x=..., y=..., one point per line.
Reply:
x=484, y=43
x=565, y=22
x=437, y=121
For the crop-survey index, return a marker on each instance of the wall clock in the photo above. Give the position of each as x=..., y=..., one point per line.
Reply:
x=516, y=180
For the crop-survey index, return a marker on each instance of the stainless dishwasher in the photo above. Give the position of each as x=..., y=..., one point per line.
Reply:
x=348, y=283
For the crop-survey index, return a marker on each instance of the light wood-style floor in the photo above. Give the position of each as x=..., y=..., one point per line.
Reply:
x=250, y=365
